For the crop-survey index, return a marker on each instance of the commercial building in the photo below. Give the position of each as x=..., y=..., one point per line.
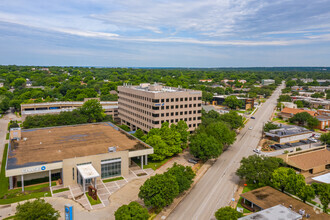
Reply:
x=266, y=82
x=288, y=133
x=275, y=212
x=267, y=197
x=80, y=154
x=324, y=121
x=147, y=106
x=310, y=161
x=109, y=107
x=289, y=105
x=287, y=113
x=248, y=103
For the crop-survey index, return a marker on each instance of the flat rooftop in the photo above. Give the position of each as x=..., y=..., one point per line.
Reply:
x=306, y=160
x=157, y=88
x=47, y=145
x=287, y=131
x=278, y=212
x=267, y=197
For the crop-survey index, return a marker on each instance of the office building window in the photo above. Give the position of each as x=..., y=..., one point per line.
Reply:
x=110, y=168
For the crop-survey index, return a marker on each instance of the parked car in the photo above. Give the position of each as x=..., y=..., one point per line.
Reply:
x=250, y=128
x=278, y=145
x=317, y=136
x=312, y=140
x=304, y=141
x=288, y=144
x=253, y=117
x=192, y=161
x=257, y=151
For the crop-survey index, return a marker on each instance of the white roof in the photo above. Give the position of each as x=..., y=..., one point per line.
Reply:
x=323, y=178
x=87, y=171
x=278, y=212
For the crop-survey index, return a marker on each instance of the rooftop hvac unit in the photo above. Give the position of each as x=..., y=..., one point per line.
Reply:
x=111, y=149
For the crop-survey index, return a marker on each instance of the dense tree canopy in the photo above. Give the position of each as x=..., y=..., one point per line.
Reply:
x=233, y=102
x=258, y=169
x=37, y=209
x=325, y=138
x=270, y=126
x=159, y=190
x=132, y=211
x=227, y=213
x=183, y=175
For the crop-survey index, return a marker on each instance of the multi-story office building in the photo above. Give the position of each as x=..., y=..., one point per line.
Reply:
x=266, y=82
x=148, y=106
x=109, y=107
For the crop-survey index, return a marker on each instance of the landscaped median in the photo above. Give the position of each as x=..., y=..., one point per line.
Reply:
x=92, y=201
x=60, y=190
x=113, y=179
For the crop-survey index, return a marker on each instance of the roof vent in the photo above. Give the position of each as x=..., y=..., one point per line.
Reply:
x=111, y=149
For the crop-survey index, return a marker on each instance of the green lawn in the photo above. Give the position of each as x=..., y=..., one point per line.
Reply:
x=7, y=136
x=92, y=201
x=3, y=180
x=113, y=179
x=16, y=195
x=60, y=190
x=246, y=189
x=151, y=164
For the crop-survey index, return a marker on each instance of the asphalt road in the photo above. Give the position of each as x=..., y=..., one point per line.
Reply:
x=217, y=187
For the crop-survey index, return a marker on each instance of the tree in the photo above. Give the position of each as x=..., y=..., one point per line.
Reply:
x=258, y=169
x=301, y=118
x=270, y=126
x=284, y=98
x=161, y=150
x=221, y=132
x=233, y=119
x=132, y=211
x=183, y=174
x=296, y=183
x=207, y=96
x=299, y=104
x=4, y=103
x=124, y=127
x=233, y=102
x=227, y=213
x=182, y=128
x=322, y=190
x=159, y=190
x=325, y=138
x=290, y=83
x=37, y=209
x=204, y=146
x=18, y=82
x=93, y=110
x=312, y=122
x=139, y=133
x=281, y=177
x=306, y=193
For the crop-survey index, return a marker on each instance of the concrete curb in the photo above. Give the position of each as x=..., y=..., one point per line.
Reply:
x=168, y=210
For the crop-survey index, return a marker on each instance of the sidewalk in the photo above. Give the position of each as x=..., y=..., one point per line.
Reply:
x=167, y=210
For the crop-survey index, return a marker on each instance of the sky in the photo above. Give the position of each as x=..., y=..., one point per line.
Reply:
x=165, y=33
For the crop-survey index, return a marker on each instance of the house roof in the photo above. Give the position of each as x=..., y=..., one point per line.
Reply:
x=295, y=111
x=267, y=197
x=310, y=159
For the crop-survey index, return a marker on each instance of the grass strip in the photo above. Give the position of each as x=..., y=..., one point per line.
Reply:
x=113, y=179
x=92, y=201
x=60, y=190
x=151, y=164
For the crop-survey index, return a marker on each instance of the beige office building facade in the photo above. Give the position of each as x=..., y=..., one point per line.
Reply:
x=79, y=154
x=147, y=106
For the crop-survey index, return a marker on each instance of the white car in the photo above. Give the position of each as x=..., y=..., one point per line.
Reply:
x=312, y=140
x=250, y=128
